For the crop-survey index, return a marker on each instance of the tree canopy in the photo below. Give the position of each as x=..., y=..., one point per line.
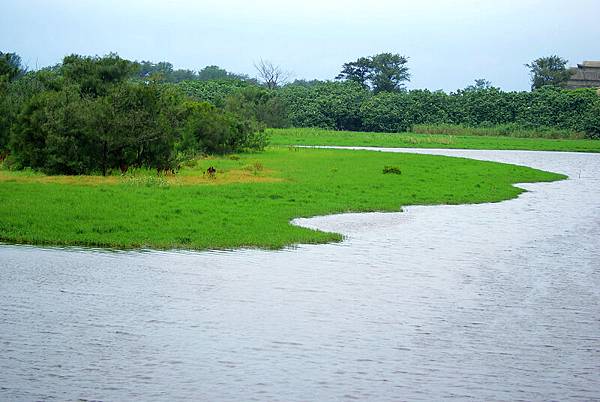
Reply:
x=212, y=73
x=10, y=66
x=384, y=72
x=88, y=115
x=551, y=70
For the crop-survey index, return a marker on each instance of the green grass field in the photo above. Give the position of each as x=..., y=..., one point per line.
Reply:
x=250, y=202
x=309, y=136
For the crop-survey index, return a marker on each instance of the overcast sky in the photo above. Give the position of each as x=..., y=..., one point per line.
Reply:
x=449, y=43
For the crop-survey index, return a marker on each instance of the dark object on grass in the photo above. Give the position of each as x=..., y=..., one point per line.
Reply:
x=391, y=170
x=123, y=167
x=211, y=171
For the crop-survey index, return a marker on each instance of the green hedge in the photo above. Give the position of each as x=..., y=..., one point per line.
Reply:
x=347, y=106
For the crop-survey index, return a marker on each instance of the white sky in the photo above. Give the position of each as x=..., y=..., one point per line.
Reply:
x=449, y=43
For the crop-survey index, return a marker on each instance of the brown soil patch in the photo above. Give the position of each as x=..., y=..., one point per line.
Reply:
x=185, y=179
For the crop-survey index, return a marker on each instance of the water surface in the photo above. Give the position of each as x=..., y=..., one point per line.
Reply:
x=494, y=301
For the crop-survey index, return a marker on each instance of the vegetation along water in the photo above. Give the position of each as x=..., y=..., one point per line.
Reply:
x=103, y=151
x=248, y=203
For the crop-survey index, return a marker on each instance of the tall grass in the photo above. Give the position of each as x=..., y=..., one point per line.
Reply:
x=449, y=136
x=500, y=130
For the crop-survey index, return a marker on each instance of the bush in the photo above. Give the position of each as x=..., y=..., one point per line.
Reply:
x=259, y=104
x=590, y=122
x=391, y=170
x=207, y=130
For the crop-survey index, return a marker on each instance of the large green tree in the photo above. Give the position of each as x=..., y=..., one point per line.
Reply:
x=164, y=72
x=384, y=72
x=210, y=73
x=551, y=70
x=96, y=75
x=11, y=69
x=10, y=66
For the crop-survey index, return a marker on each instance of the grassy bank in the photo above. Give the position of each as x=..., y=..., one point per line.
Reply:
x=248, y=204
x=307, y=136
x=498, y=130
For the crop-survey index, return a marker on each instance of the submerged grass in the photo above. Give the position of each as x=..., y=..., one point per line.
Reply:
x=310, y=136
x=191, y=211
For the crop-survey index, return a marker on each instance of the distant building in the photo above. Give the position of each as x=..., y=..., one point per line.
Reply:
x=585, y=75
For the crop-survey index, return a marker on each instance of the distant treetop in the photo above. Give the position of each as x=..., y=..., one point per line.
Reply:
x=384, y=72
x=551, y=70
x=10, y=66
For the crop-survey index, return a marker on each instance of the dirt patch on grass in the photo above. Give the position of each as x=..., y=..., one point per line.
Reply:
x=234, y=176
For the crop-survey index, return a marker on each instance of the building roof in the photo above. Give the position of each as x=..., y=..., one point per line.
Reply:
x=592, y=64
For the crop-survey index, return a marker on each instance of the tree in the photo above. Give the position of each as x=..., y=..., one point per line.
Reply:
x=213, y=73
x=15, y=94
x=272, y=75
x=359, y=71
x=10, y=66
x=95, y=75
x=207, y=129
x=212, y=91
x=182, y=75
x=392, y=112
x=551, y=70
x=259, y=104
x=384, y=72
x=306, y=83
x=389, y=72
x=480, y=85
x=333, y=105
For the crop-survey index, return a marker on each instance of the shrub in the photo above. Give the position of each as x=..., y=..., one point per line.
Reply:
x=259, y=104
x=208, y=130
x=392, y=170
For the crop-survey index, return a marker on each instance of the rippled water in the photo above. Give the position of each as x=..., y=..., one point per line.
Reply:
x=490, y=302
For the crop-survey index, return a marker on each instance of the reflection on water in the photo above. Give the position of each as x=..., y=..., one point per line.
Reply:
x=490, y=302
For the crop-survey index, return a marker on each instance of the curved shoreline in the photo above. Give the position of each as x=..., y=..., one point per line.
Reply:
x=303, y=222
x=324, y=222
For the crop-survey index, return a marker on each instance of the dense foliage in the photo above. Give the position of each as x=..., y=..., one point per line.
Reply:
x=241, y=97
x=384, y=72
x=89, y=114
x=551, y=70
x=215, y=92
x=349, y=106
x=10, y=66
x=334, y=105
x=164, y=72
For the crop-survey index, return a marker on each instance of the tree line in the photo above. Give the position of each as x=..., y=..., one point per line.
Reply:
x=370, y=94
x=366, y=97
x=348, y=106
x=97, y=114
